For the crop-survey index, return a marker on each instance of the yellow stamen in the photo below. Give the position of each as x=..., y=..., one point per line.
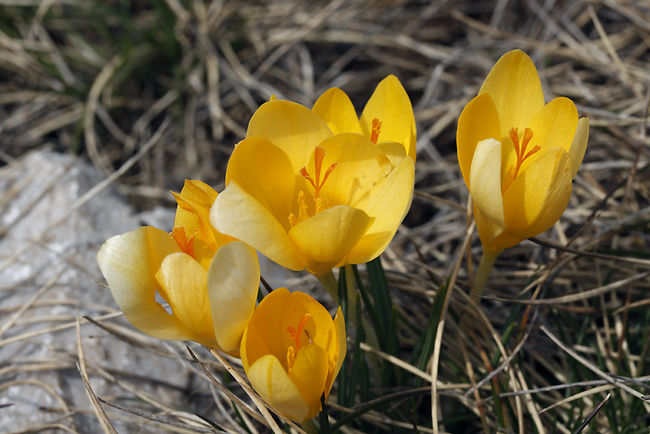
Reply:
x=376, y=128
x=291, y=357
x=297, y=334
x=185, y=244
x=319, y=156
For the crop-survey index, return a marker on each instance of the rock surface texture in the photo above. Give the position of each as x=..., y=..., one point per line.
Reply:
x=48, y=280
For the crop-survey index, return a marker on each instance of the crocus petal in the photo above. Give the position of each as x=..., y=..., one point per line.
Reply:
x=184, y=283
x=391, y=105
x=129, y=263
x=265, y=334
x=485, y=179
x=337, y=352
x=538, y=197
x=394, y=151
x=270, y=380
x=553, y=127
x=579, y=145
x=319, y=327
x=336, y=109
x=233, y=283
x=487, y=231
x=361, y=165
x=516, y=90
x=326, y=238
x=289, y=126
x=264, y=171
x=240, y=215
x=478, y=121
x=309, y=374
x=389, y=200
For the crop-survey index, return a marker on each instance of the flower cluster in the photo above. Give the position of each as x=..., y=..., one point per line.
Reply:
x=310, y=189
x=321, y=188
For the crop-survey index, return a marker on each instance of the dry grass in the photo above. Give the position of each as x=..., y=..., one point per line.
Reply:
x=158, y=91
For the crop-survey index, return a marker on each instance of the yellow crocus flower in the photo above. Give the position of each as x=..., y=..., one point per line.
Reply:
x=307, y=198
x=518, y=156
x=387, y=116
x=292, y=351
x=209, y=280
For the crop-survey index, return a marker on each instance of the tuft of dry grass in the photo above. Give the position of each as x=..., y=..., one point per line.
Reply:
x=153, y=92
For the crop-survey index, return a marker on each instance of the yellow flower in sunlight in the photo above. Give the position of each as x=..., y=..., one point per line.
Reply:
x=518, y=156
x=292, y=351
x=307, y=198
x=387, y=117
x=209, y=280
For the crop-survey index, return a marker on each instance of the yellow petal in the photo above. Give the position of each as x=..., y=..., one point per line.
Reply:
x=238, y=214
x=336, y=352
x=291, y=127
x=329, y=236
x=487, y=231
x=233, y=283
x=271, y=382
x=392, y=107
x=478, y=121
x=485, y=179
x=129, y=263
x=389, y=202
x=309, y=374
x=553, y=127
x=264, y=171
x=539, y=195
x=336, y=109
x=394, y=151
x=184, y=282
x=264, y=333
x=319, y=328
x=361, y=165
x=516, y=90
x=579, y=145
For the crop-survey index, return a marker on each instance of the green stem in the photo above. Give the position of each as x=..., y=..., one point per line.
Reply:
x=330, y=284
x=309, y=427
x=483, y=271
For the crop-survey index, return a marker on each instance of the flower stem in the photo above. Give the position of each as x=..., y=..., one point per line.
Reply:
x=330, y=284
x=309, y=426
x=483, y=271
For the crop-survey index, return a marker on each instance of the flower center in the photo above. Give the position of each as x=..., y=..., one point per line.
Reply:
x=296, y=335
x=520, y=152
x=182, y=241
x=376, y=127
x=317, y=183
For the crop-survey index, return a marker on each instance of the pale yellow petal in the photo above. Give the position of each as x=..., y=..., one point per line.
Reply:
x=329, y=236
x=185, y=283
x=336, y=109
x=579, y=145
x=271, y=382
x=238, y=214
x=129, y=263
x=264, y=171
x=485, y=179
x=292, y=127
x=516, y=90
x=391, y=106
x=394, y=151
x=309, y=374
x=360, y=165
x=337, y=352
x=539, y=195
x=478, y=121
x=265, y=333
x=389, y=202
x=233, y=283
x=487, y=231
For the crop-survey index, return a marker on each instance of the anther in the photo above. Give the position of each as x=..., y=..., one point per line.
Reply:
x=376, y=128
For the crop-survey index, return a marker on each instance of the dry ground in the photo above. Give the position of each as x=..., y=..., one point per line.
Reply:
x=180, y=78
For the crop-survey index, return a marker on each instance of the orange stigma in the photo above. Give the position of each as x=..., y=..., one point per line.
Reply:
x=521, y=151
x=376, y=128
x=296, y=334
x=319, y=156
x=185, y=244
